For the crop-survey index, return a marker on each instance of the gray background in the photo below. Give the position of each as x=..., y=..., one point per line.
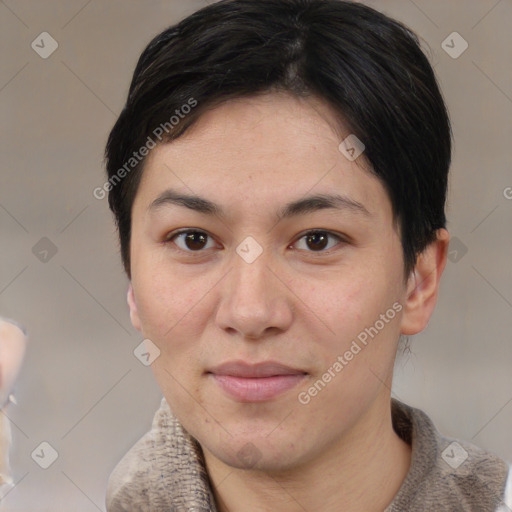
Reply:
x=81, y=388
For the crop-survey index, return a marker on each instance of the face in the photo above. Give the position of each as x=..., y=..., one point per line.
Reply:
x=258, y=298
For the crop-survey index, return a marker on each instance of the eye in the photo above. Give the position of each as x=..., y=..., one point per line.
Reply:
x=318, y=240
x=193, y=240
x=190, y=240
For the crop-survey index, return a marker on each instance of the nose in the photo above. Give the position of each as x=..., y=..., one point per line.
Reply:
x=255, y=302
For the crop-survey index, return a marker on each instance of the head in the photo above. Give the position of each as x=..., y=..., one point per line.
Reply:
x=252, y=230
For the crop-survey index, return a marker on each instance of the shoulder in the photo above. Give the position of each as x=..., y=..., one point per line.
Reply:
x=164, y=471
x=447, y=473
x=129, y=484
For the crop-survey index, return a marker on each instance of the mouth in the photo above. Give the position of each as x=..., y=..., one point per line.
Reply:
x=259, y=382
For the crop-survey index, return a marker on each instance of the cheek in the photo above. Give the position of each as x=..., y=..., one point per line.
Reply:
x=171, y=314
x=357, y=359
x=351, y=309
x=168, y=303
x=343, y=304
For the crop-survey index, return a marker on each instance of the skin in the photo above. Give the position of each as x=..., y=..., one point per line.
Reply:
x=12, y=350
x=298, y=303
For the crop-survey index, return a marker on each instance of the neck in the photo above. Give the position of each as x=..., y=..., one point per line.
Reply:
x=362, y=471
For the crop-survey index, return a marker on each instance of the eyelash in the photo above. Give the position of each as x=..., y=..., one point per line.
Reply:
x=169, y=239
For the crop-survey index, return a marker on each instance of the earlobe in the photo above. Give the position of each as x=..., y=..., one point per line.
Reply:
x=134, y=314
x=423, y=285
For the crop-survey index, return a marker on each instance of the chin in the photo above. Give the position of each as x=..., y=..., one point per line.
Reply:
x=249, y=453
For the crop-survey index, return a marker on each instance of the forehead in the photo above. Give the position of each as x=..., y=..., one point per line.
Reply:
x=262, y=151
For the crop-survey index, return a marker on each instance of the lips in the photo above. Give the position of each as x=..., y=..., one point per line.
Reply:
x=259, y=382
x=258, y=370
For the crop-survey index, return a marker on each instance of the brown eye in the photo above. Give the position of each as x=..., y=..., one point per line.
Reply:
x=191, y=241
x=318, y=241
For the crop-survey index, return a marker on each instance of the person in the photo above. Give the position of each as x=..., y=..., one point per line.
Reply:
x=278, y=178
x=13, y=340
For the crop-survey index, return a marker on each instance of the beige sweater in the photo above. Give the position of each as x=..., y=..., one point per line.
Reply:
x=164, y=471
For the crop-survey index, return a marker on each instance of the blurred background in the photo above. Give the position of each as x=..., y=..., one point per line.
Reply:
x=83, y=397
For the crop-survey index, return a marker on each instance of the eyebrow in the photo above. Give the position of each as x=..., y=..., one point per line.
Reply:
x=301, y=206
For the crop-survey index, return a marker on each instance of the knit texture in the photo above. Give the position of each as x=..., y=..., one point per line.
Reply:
x=165, y=472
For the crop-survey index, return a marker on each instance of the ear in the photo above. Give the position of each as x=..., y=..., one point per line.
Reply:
x=423, y=285
x=134, y=314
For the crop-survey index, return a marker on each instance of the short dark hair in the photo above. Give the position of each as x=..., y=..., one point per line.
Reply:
x=367, y=67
